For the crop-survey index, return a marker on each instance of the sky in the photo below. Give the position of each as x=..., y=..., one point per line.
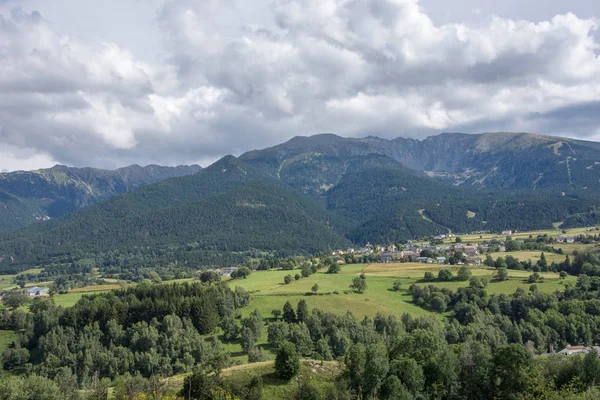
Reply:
x=116, y=82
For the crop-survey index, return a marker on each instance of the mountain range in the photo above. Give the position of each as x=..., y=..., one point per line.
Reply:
x=484, y=161
x=314, y=193
x=29, y=196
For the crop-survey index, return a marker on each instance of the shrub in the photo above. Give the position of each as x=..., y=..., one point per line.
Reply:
x=359, y=284
x=241, y=272
x=563, y=274
x=445, y=275
x=256, y=354
x=502, y=274
x=334, y=269
x=464, y=274
x=315, y=288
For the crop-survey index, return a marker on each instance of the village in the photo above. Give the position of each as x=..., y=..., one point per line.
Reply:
x=445, y=249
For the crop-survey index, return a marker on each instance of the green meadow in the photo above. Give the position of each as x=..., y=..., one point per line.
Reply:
x=6, y=338
x=69, y=299
x=269, y=291
x=477, y=238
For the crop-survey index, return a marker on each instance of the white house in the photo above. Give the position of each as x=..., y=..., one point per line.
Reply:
x=227, y=271
x=571, y=350
x=37, y=292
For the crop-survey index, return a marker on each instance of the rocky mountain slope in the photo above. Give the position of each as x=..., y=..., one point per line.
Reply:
x=485, y=161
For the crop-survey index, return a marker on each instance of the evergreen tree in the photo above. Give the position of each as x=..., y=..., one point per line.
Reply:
x=289, y=315
x=302, y=310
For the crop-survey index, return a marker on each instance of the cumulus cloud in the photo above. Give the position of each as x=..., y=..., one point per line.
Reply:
x=233, y=79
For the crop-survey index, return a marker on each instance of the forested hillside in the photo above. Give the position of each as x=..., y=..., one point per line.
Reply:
x=225, y=208
x=30, y=196
x=306, y=196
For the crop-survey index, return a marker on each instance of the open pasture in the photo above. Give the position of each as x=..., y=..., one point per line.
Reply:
x=95, y=289
x=334, y=295
x=478, y=238
x=6, y=338
x=69, y=299
x=534, y=256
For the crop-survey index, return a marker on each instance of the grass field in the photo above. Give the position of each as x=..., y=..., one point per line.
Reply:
x=6, y=338
x=97, y=288
x=269, y=291
x=523, y=235
x=7, y=282
x=69, y=299
x=534, y=256
x=318, y=374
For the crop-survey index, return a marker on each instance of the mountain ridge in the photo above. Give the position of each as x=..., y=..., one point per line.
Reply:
x=53, y=192
x=494, y=160
x=308, y=195
x=361, y=183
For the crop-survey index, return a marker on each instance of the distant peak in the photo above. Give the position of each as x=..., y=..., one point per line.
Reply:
x=59, y=167
x=446, y=134
x=318, y=138
x=228, y=160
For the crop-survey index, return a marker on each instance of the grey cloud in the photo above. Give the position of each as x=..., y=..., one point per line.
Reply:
x=233, y=78
x=581, y=120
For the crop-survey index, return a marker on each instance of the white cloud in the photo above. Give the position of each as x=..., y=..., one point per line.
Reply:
x=234, y=78
x=22, y=159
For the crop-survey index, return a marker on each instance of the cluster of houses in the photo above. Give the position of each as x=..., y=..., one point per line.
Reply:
x=565, y=239
x=440, y=253
x=414, y=254
x=368, y=249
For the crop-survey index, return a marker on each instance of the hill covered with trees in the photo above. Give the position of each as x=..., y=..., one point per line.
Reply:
x=30, y=196
x=305, y=196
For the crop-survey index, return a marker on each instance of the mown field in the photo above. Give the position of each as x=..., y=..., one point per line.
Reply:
x=476, y=238
x=318, y=373
x=270, y=292
x=334, y=295
x=69, y=299
x=534, y=256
